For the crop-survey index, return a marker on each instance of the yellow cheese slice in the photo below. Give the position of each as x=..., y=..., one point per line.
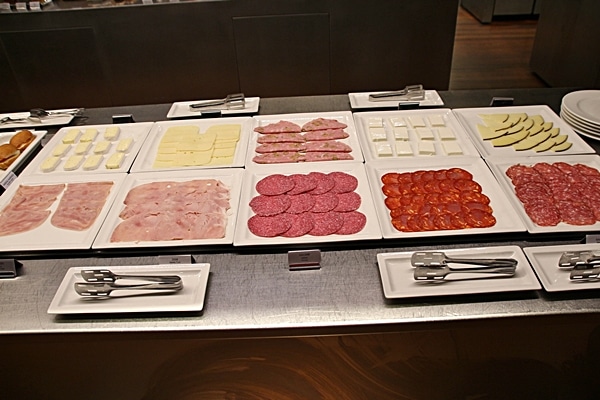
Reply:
x=61, y=149
x=71, y=136
x=531, y=141
x=488, y=133
x=124, y=145
x=221, y=161
x=494, y=119
x=115, y=161
x=83, y=148
x=545, y=145
x=508, y=140
x=560, y=139
x=562, y=147
x=225, y=145
x=73, y=163
x=89, y=135
x=50, y=164
x=194, y=145
x=554, y=132
x=102, y=147
x=92, y=162
x=112, y=133
x=225, y=152
x=195, y=158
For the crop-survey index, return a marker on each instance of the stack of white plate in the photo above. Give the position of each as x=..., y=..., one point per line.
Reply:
x=581, y=110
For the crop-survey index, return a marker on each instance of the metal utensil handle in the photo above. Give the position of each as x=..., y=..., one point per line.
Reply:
x=485, y=262
x=209, y=103
x=402, y=92
x=585, y=274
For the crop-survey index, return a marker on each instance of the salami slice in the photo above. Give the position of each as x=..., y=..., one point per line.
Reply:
x=270, y=205
x=278, y=127
x=587, y=170
x=314, y=156
x=480, y=219
x=302, y=224
x=390, y=177
x=275, y=184
x=476, y=197
x=326, y=223
x=543, y=214
x=343, y=182
x=575, y=213
x=279, y=157
x=269, y=226
x=279, y=147
x=324, y=202
x=323, y=123
x=302, y=184
x=467, y=185
x=354, y=222
x=326, y=134
x=300, y=203
x=458, y=173
x=347, y=202
x=324, y=183
x=287, y=137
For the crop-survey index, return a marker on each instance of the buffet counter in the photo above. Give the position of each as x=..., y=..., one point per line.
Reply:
x=332, y=323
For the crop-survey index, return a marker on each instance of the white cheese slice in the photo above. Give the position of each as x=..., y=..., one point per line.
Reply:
x=446, y=133
x=102, y=147
x=124, y=145
x=416, y=121
x=83, y=148
x=73, y=163
x=436, y=120
x=61, y=149
x=375, y=122
x=89, y=135
x=71, y=136
x=425, y=134
x=50, y=164
x=398, y=121
x=401, y=133
x=112, y=133
x=403, y=149
x=115, y=161
x=383, y=150
x=426, y=148
x=452, y=148
x=92, y=162
x=377, y=134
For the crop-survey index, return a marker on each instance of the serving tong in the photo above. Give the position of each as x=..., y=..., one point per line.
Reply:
x=433, y=266
x=235, y=101
x=409, y=93
x=585, y=265
x=37, y=114
x=103, y=282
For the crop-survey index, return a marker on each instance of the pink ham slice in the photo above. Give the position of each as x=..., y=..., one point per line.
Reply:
x=279, y=157
x=80, y=205
x=278, y=127
x=319, y=124
x=326, y=134
x=287, y=137
x=278, y=147
x=328, y=146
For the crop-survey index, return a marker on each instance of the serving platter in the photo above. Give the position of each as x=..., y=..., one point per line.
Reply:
x=149, y=151
x=502, y=208
x=85, y=141
x=544, y=260
x=398, y=282
x=472, y=117
x=52, y=120
x=230, y=177
x=360, y=100
x=244, y=237
x=47, y=236
x=300, y=119
x=499, y=166
x=181, y=109
x=189, y=299
x=412, y=133
x=25, y=154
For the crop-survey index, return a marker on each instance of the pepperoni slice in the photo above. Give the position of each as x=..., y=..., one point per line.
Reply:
x=443, y=222
x=426, y=222
x=420, y=187
x=390, y=177
x=401, y=223
x=273, y=185
x=302, y=184
x=326, y=223
x=392, y=190
x=301, y=203
x=301, y=225
x=269, y=226
x=432, y=198
x=459, y=221
x=405, y=177
x=472, y=205
x=467, y=185
x=270, y=205
x=324, y=183
x=428, y=176
x=433, y=186
x=447, y=185
x=408, y=209
x=480, y=219
x=325, y=202
x=344, y=182
x=348, y=202
x=448, y=197
x=453, y=208
x=393, y=202
x=354, y=222
x=458, y=173
x=440, y=175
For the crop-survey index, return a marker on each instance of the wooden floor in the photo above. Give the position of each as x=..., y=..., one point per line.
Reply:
x=493, y=56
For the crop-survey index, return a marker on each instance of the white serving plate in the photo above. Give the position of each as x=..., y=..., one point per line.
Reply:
x=190, y=298
x=585, y=104
x=47, y=236
x=580, y=127
x=181, y=109
x=300, y=119
x=361, y=100
x=502, y=208
x=499, y=166
x=5, y=138
x=469, y=117
x=51, y=120
x=544, y=260
x=232, y=177
x=398, y=281
x=136, y=131
x=243, y=236
x=361, y=120
x=147, y=154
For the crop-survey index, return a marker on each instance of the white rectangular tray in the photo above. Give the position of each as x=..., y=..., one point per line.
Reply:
x=189, y=299
x=232, y=177
x=502, y=208
x=181, y=109
x=469, y=117
x=54, y=120
x=362, y=120
x=361, y=100
x=147, y=154
x=398, y=281
x=25, y=155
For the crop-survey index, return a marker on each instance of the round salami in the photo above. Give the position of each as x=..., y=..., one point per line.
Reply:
x=324, y=202
x=348, y=202
x=273, y=185
x=326, y=223
x=344, y=182
x=269, y=226
x=587, y=170
x=270, y=205
x=543, y=214
x=480, y=219
x=324, y=183
x=354, y=222
x=390, y=177
x=476, y=197
x=458, y=173
x=300, y=203
x=575, y=213
x=301, y=225
x=467, y=185
x=302, y=184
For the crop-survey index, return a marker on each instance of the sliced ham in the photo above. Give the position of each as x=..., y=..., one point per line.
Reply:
x=328, y=146
x=80, y=205
x=279, y=147
x=326, y=134
x=319, y=124
x=287, y=137
x=278, y=127
x=279, y=157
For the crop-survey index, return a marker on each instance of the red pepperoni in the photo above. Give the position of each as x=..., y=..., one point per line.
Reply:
x=344, y=182
x=324, y=183
x=420, y=187
x=426, y=222
x=467, y=185
x=405, y=177
x=348, y=202
x=273, y=185
x=447, y=185
x=428, y=176
x=476, y=197
x=270, y=205
x=392, y=190
x=459, y=221
x=448, y=197
x=472, y=205
x=393, y=202
x=443, y=222
x=400, y=223
x=354, y=222
x=433, y=198
x=440, y=175
x=433, y=186
x=269, y=226
x=326, y=223
x=301, y=225
x=458, y=173
x=409, y=209
x=302, y=184
x=390, y=177
x=480, y=219
x=325, y=202
x=301, y=203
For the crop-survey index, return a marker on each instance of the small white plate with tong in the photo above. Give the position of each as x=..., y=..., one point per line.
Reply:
x=188, y=296
x=398, y=274
x=232, y=104
x=392, y=99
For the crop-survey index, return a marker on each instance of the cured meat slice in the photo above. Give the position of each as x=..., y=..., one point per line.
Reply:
x=301, y=203
x=467, y=185
x=531, y=191
x=480, y=219
x=326, y=223
x=587, y=170
x=468, y=196
x=324, y=182
x=324, y=202
x=327, y=156
x=543, y=214
x=519, y=169
x=270, y=226
x=319, y=124
x=279, y=157
x=287, y=137
x=458, y=173
x=328, y=146
x=302, y=183
x=80, y=205
x=270, y=205
x=575, y=213
x=278, y=127
x=343, y=182
x=280, y=147
x=275, y=184
x=348, y=202
x=390, y=177
x=21, y=221
x=302, y=224
x=326, y=134
x=354, y=222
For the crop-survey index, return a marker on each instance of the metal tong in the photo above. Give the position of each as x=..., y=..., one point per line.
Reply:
x=102, y=282
x=236, y=101
x=585, y=265
x=433, y=265
x=409, y=93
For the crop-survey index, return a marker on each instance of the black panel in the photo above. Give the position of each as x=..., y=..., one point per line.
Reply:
x=11, y=99
x=283, y=55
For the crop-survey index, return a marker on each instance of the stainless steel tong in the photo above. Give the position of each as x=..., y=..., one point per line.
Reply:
x=236, y=101
x=433, y=265
x=430, y=273
x=409, y=93
x=572, y=259
x=103, y=282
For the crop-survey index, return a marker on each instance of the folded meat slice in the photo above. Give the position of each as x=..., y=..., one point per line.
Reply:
x=80, y=205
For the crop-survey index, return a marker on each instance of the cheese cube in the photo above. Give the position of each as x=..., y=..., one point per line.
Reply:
x=83, y=148
x=89, y=135
x=375, y=122
x=426, y=148
x=112, y=133
x=403, y=149
x=436, y=120
x=452, y=148
x=425, y=134
x=102, y=147
x=377, y=134
x=416, y=121
x=124, y=145
x=115, y=161
x=398, y=121
x=446, y=133
x=92, y=162
x=401, y=133
x=61, y=149
x=71, y=136
x=73, y=163
x=50, y=164
x=383, y=150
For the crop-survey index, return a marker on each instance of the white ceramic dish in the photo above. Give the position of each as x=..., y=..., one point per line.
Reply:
x=137, y=132
x=585, y=104
x=47, y=236
x=53, y=120
x=231, y=177
x=181, y=109
x=470, y=118
x=148, y=152
x=363, y=120
x=188, y=299
x=398, y=282
x=361, y=100
x=244, y=237
x=24, y=156
x=499, y=166
x=502, y=208
x=544, y=260
x=300, y=119
x=580, y=127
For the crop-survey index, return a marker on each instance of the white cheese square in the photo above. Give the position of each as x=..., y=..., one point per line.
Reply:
x=446, y=133
x=401, y=133
x=83, y=147
x=398, y=121
x=383, y=150
x=375, y=122
x=436, y=120
x=377, y=134
x=89, y=135
x=416, y=121
x=426, y=148
x=425, y=134
x=452, y=148
x=404, y=149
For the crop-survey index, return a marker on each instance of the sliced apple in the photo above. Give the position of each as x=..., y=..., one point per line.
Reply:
x=509, y=140
x=531, y=142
